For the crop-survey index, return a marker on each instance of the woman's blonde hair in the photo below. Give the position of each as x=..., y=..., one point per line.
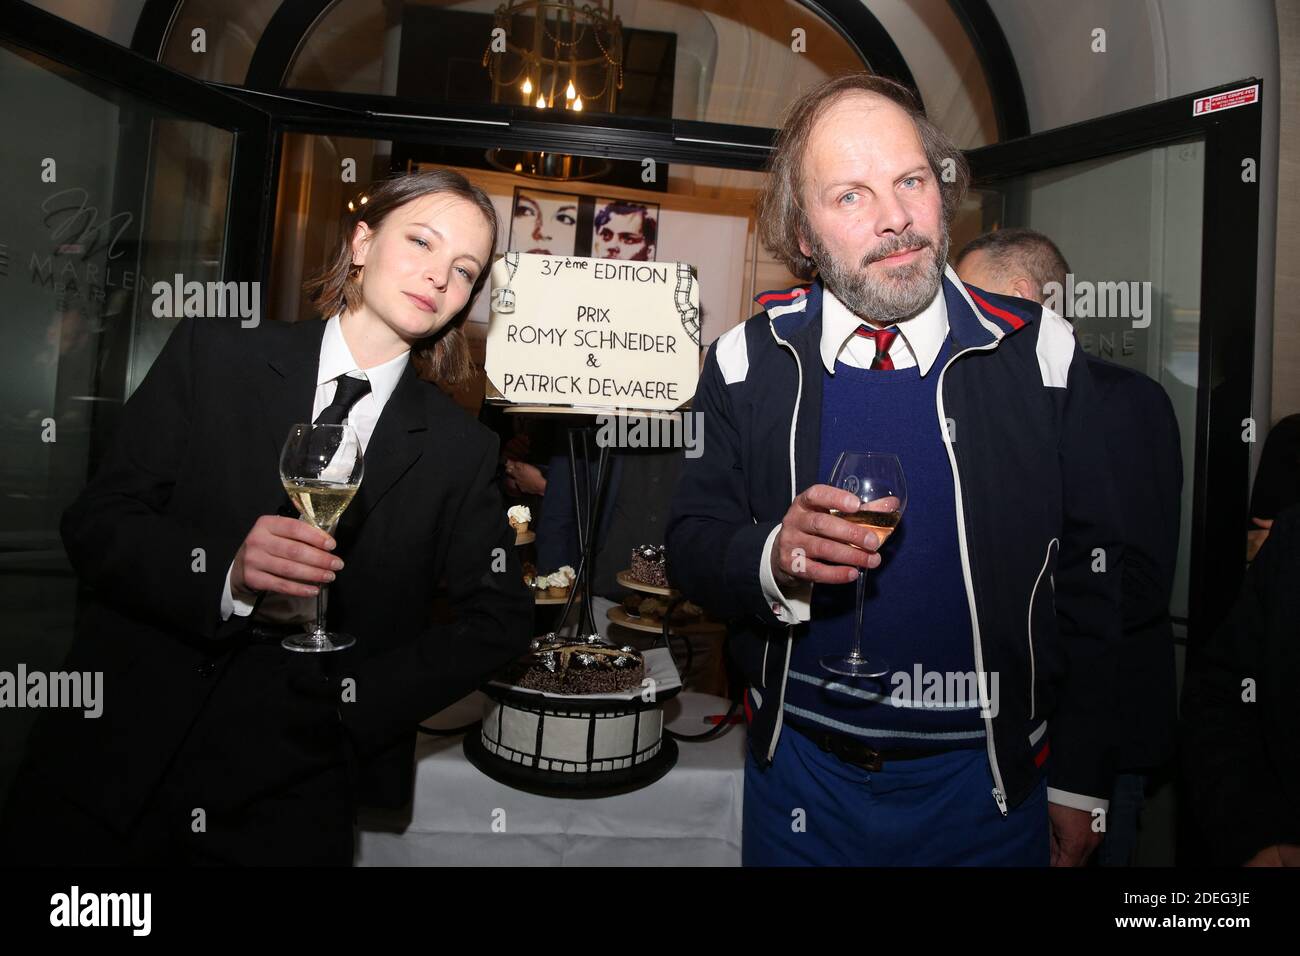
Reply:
x=781, y=217
x=443, y=357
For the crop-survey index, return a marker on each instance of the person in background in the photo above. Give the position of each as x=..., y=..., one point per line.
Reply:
x=1277, y=483
x=1241, y=716
x=1142, y=444
x=526, y=446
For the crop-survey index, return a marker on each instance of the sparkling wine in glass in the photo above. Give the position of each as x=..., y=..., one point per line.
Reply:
x=877, y=480
x=321, y=468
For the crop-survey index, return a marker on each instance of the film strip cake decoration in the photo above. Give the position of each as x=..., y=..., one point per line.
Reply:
x=570, y=743
x=687, y=310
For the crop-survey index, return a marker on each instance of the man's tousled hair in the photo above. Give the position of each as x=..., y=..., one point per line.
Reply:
x=781, y=216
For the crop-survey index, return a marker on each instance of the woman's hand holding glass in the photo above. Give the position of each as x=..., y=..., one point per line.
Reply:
x=283, y=555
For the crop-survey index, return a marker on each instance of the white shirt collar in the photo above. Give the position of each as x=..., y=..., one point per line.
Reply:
x=923, y=333
x=336, y=359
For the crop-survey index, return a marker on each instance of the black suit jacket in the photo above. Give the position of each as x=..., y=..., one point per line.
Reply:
x=193, y=464
x=1143, y=448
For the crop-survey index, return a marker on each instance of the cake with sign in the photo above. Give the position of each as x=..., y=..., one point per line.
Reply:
x=580, y=716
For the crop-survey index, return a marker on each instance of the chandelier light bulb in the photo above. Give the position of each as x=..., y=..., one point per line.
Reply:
x=570, y=92
x=528, y=86
x=541, y=102
x=577, y=104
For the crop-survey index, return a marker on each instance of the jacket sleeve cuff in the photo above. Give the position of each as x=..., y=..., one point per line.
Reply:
x=1078, y=801
x=792, y=607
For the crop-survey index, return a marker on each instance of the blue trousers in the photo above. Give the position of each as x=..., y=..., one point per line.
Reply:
x=811, y=808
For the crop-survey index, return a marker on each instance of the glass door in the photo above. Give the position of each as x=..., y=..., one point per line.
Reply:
x=120, y=177
x=1138, y=202
x=1130, y=228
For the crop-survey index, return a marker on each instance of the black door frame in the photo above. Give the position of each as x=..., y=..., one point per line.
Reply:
x=252, y=190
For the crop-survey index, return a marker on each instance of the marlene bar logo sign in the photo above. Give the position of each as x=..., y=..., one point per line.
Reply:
x=593, y=333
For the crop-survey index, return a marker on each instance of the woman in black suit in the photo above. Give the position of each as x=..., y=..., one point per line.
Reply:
x=215, y=744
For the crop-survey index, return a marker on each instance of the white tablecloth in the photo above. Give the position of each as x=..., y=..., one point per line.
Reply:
x=689, y=817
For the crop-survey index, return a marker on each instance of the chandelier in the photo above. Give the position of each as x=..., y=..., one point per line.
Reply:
x=553, y=54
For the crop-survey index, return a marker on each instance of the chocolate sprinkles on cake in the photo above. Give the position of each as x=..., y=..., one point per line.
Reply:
x=588, y=665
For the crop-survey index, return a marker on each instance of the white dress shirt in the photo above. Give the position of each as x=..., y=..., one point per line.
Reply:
x=335, y=360
x=918, y=343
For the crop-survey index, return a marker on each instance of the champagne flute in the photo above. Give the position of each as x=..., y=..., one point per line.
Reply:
x=320, y=468
x=877, y=480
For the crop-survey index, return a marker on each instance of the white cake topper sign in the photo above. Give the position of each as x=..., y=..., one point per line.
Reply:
x=593, y=333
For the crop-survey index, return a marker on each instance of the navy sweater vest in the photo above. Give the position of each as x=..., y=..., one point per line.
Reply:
x=915, y=619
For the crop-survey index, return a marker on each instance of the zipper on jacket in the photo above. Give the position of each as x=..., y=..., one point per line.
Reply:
x=1047, y=559
x=999, y=789
x=794, y=491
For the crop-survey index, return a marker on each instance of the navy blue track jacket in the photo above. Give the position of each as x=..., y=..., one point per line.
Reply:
x=1037, y=521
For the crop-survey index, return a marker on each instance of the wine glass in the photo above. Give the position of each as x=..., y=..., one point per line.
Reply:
x=877, y=479
x=320, y=468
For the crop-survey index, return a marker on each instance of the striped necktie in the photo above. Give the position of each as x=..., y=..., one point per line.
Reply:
x=884, y=339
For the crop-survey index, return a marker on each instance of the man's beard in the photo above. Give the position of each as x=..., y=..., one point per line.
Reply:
x=904, y=292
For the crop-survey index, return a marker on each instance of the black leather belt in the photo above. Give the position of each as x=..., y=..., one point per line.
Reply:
x=855, y=752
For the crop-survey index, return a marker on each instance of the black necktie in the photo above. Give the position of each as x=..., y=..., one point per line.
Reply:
x=349, y=391
x=346, y=394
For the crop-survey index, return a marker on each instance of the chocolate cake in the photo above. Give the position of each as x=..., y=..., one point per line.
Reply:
x=588, y=665
x=649, y=565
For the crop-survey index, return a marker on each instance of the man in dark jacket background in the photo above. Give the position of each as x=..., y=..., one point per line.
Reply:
x=1143, y=449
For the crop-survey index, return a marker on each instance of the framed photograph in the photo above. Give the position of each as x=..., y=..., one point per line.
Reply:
x=545, y=222
x=625, y=229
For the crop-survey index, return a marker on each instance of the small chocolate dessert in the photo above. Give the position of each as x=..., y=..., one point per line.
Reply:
x=649, y=565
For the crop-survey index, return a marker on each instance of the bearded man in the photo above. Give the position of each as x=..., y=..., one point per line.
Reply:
x=988, y=741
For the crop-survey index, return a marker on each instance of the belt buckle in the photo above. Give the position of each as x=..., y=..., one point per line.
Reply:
x=870, y=760
x=853, y=752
